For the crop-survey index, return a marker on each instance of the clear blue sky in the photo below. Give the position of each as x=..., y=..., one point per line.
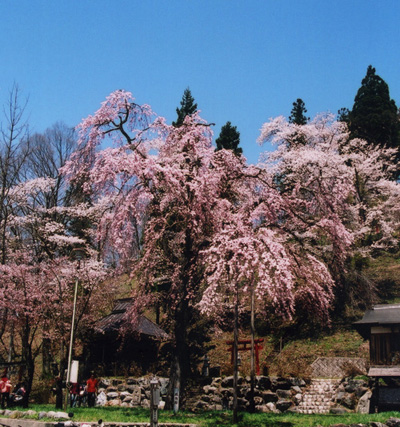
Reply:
x=244, y=61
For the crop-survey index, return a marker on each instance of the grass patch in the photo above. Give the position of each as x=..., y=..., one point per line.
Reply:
x=219, y=418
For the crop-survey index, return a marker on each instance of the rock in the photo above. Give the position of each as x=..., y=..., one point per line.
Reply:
x=296, y=389
x=377, y=424
x=111, y=389
x=131, y=381
x=227, y=382
x=393, y=422
x=207, y=398
x=284, y=394
x=145, y=403
x=271, y=406
x=269, y=396
x=124, y=394
x=209, y=389
x=116, y=382
x=30, y=413
x=18, y=414
x=113, y=395
x=124, y=405
x=121, y=387
x=51, y=414
x=258, y=400
x=262, y=408
x=104, y=383
x=283, y=405
x=297, y=382
x=101, y=399
x=364, y=403
x=282, y=384
x=297, y=398
x=161, y=405
x=263, y=383
x=42, y=414
x=114, y=402
x=164, y=382
x=339, y=411
x=60, y=415
x=216, y=382
x=349, y=401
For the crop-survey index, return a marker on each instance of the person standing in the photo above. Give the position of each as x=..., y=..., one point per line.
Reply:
x=74, y=394
x=92, y=385
x=5, y=389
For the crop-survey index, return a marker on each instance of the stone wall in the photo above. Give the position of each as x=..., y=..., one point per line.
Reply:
x=337, y=367
x=272, y=394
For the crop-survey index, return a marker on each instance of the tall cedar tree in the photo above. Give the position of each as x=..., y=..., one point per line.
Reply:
x=229, y=138
x=374, y=115
x=188, y=107
x=297, y=115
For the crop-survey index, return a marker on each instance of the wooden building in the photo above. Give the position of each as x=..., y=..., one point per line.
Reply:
x=113, y=352
x=381, y=326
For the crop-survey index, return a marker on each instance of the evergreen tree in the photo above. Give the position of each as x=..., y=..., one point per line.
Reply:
x=229, y=138
x=188, y=107
x=297, y=115
x=374, y=115
x=343, y=115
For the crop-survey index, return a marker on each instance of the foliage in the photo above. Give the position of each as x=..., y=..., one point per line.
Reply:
x=229, y=139
x=188, y=107
x=332, y=171
x=298, y=113
x=374, y=115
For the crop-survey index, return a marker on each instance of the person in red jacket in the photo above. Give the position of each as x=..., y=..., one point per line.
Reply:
x=92, y=385
x=5, y=389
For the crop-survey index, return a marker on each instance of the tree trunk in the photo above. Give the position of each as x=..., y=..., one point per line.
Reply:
x=235, y=357
x=252, y=369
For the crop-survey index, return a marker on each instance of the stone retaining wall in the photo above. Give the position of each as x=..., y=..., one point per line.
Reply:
x=272, y=394
x=337, y=367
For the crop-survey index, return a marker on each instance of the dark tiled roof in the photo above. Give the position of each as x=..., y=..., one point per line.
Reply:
x=115, y=319
x=385, y=314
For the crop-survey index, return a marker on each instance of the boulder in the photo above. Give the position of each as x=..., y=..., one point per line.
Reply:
x=227, y=382
x=393, y=422
x=112, y=395
x=283, y=405
x=284, y=394
x=42, y=414
x=50, y=414
x=114, y=402
x=364, y=403
x=269, y=396
x=271, y=406
x=209, y=389
x=131, y=381
x=60, y=415
x=263, y=383
x=19, y=414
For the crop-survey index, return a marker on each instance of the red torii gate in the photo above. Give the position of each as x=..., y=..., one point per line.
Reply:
x=242, y=346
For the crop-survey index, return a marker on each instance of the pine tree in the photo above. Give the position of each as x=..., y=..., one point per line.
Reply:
x=297, y=115
x=229, y=138
x=188, y=107
x=374, y=115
